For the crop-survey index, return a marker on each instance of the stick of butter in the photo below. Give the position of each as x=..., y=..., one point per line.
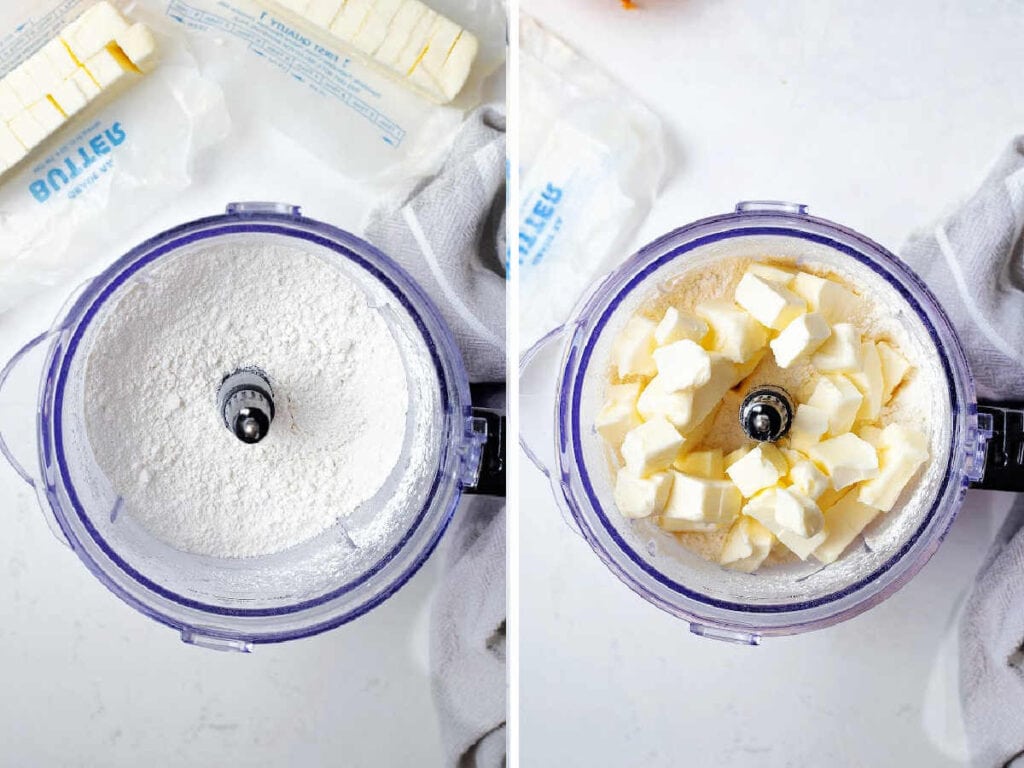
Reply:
x=98, y=50
x=423, y=50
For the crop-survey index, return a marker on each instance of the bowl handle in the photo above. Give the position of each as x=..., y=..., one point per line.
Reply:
x=538, y=384
x=1000, y=447
x=20, y=410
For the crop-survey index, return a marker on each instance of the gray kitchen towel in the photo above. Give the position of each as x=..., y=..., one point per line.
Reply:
x=448, y=232
x=973, y=261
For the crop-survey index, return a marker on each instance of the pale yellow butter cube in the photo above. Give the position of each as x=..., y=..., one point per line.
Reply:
x=801, y=546
x=458, y=65
x=400, y=32
x=697, y=500
x=60, y=58
x=734, y=333
x=10, y=104
x=869, y=381
x=840, y=399
x=846, y=459
x=746, y=546
x=708, y=397
x=638, y=497
x=763, y=508
x=677, y=326
x=443, y=36
x=682, y=365
x=105, y=68
x=797, y=513
x=27, y=130
x=760, y=468
x=633, y=351
x=772, y=274
x=808, y=479
x=94, y=30
x=676, y=407
x=43, y=73
x=416, y=47
x=350, y=19
x=810, y=423
x=843, y=523
x=800, y=338
x=894, y=369
x=69, y=98
x=47, y=115
x=12, y=151
x=706, y=464
x=25, y=88
x=139, y=46
x=901, y=453
x=376, y=26
x=832, y=300
x=841, y=351
x=618, y=415
x=733, y=456
x=771, y=304
x=651, y=447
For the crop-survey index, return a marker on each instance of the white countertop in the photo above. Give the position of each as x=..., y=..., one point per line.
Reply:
x=88, y=681
x=881, y=117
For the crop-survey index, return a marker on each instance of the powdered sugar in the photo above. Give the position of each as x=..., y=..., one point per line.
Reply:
x=340, y=385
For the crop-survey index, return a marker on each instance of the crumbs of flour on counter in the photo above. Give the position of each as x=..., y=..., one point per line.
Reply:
x=151, y=399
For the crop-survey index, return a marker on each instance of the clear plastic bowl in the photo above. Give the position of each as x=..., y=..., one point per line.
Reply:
x=788, y=598
x=232, y=603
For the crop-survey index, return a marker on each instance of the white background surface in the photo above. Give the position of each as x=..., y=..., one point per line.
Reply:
x=87, y=681
x=881, y=116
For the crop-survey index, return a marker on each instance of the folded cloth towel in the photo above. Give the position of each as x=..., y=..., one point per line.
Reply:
x=448, y=232
x=974, y=263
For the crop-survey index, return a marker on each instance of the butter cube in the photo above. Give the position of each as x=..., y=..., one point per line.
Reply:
x=27, y=130
x=797, y=513
x=843, y=523
x=47, y=115
x=94, y=30
x=706, y=464
x=733, y=456
x=69, y=97
x=443, y=36
x=458, y=65
x=618, y=415
x=810, y=424
x=638, y=497
x=696, y=500
x=741, y=371
x=829, y=298
x=676, y=406
x=651, y=447
x=801, y=337
x=847, y=459
x=677, y=326
x=43, y=73
x=771, y=304
x=830, y=498
x=139, y=47
x=322, y=12
x=870, y=434
x=760, y=468
x=11, y=150
x=772, y=273
x=417, y=45
x=841, y=352
x=808, y=479
x=746, y=546
x=696, y=433
x=86, y=84
x=734, y=334
x=350, y=19
x=792, y=457
x=10, y=104
x=708, y=397
x=24, y=86
x=682, y=365
x=633, y=350
x=801, y=546
x=869, y=381
x=105, y=68
x=901, y=453
x=837, y=396
x=399, y=31
x=894, y=369
x=60, y=58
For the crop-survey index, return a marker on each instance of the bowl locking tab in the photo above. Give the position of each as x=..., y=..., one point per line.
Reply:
x=766, y=413
x=246, y=404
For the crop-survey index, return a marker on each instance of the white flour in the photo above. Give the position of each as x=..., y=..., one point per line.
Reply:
x=339, y=381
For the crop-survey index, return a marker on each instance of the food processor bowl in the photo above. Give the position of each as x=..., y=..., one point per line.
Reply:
x=232, y=603
x=789, y=597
